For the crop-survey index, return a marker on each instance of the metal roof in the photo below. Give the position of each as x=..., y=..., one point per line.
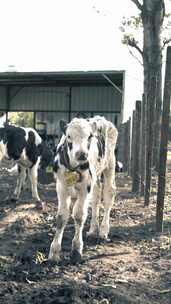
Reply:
x=73, y=78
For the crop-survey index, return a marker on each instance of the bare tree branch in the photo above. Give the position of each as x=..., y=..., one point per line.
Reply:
x=134, y=55
x=132, y=42
x=165, y=42
x=138, y=4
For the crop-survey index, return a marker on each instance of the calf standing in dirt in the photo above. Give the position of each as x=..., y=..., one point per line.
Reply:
x=85, y=154
x=24, y=147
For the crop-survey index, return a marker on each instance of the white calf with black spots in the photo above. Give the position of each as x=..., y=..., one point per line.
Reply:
x=84, y=157
x=25, y=147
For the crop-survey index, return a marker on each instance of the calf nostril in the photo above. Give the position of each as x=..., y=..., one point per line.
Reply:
x=82, y=156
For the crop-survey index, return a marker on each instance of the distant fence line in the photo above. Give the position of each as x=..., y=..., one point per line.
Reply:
x=134, y=147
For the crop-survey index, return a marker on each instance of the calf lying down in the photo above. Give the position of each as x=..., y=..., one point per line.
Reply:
x=85, y=154
x=25, y=147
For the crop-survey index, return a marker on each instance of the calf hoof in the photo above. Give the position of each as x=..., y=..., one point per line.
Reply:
x=54, y=255
x=93, y=239
x=75, y=257
x=49, y=263
x=53, y=258
x=40, y=205
x=14, y=199
x=104, y=240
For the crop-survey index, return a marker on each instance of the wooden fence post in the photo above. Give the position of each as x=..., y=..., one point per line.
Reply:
x=142, y=145
x=120, y=152
x=150, y=124
x=133, y=135
x=126, y=144
x=136, y=168
x=163, y=144
x=129, y=143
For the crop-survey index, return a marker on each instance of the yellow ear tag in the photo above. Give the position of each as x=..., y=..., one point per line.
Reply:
x=71, y=177
x=49, y=169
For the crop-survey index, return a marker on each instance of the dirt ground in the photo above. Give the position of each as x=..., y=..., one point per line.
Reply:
x=133, y=267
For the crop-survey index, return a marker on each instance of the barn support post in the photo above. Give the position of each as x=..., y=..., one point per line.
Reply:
x=136, y=169
x=70, y=104
x=34, y=120
x=7, y=102
x=163, y=144
x=142, y=145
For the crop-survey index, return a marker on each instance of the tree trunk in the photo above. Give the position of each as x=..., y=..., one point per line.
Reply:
x=152, y=18
x=163, y=145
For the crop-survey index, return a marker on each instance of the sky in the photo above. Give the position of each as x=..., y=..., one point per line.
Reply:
x=66, y=35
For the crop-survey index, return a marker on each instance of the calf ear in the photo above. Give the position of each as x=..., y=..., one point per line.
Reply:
x=31, y=137
x=63, y=126
x=94, y=127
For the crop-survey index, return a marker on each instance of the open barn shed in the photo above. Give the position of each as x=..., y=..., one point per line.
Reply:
x=52, y=96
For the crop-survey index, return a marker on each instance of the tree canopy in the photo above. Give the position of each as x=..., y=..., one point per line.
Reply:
x=22, y=119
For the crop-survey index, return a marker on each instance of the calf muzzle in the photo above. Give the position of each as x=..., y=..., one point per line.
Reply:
x=81, y=156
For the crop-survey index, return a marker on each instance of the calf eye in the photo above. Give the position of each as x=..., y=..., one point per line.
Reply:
x=89, y=141
x=90, y=136
x=70, y=145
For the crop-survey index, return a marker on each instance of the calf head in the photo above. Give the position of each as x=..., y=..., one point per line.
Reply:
x=78, y=135
x=46, y=155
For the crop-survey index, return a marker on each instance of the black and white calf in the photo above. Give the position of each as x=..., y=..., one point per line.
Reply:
x=25, y=147
x=84, y=157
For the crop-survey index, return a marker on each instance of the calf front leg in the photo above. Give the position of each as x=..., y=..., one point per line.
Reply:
x=109, y=195
x=80, y=215
x=95, y=203
x=20, y=180
x=33, y=175
x=26, y=183
x=64, y=202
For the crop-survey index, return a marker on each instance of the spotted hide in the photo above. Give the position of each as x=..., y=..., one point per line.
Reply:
x=25, y=147
x=85, y=156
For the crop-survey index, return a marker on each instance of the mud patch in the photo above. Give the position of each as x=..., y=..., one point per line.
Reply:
x=133, y=267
